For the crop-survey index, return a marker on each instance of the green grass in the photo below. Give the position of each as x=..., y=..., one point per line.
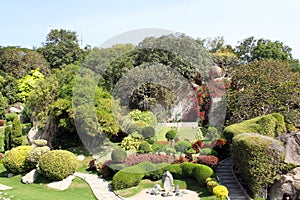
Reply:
x=183, y=133
x=2, y=128
x=186, y=183
x=79, y=189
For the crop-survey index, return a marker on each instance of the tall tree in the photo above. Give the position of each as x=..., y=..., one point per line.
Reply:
x=61, y=48
x=251, y=49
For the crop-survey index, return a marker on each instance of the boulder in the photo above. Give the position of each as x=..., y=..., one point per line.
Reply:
x=292, y=148
x=63, y=184
x=289, y=183
x=30, y=177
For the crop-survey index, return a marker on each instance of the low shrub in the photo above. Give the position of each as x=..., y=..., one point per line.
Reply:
x=180, y=160
x=211, y=161
x=144, y=147
x=92, y=165
x=147, y=117
x=182, y=146
x=221, y=192
x=118, y=155
x=175, y=170
x=2, y=122
x=201, y=173
x=154, y=158
x=122, y=180
x=212, y=133
x=271, y=125
x=131, y=143
x=58, y=164
x=15, y=160
x=35, y=154
x=106, y=168
x=187, y=169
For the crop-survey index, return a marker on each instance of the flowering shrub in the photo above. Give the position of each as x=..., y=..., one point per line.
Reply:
x=154, y=158
x=211, y=161
x=220, y=191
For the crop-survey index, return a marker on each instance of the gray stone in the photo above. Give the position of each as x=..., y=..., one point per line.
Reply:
x=288, y=183
x=30, y=177
x=62, y=185
x=10, y=175
x=5, y=187
x=157, y=186
x=167, y=180
x=292, y=146
x=176, y=189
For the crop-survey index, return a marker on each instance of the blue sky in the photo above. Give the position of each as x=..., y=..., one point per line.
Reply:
x=25, y=23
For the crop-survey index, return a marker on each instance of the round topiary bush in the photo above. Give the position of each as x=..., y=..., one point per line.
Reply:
x=15, y=161
x=171, y=135
x=144, y=148
x=118, y=155
x=58, y=164
x=148, y=132
x=35, y=154
x=220, y=191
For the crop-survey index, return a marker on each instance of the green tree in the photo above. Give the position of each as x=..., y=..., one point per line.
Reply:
x=264, y=87
x=16, y=133
x=61, y=48
x=251, y=49
x=17, y=62
x=26, y=83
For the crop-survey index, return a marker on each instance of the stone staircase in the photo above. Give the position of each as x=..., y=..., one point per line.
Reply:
x=227, y=178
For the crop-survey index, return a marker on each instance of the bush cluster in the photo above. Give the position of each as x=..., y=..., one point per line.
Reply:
x=118, y=155
x=221, y=192
x=35, y=154
x=15, y=160
x=144, y=147
x=148, y=132
x=210, y=184
x=58, y=164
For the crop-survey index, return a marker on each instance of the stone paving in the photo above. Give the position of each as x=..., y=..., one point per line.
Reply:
x=99, y=186
x=4, y=187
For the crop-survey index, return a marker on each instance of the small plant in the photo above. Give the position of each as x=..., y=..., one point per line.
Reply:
x=35, y=154
x=197, y=145
x=182, y=146
x=211, y=161
x=171, y=135
x=11, y=116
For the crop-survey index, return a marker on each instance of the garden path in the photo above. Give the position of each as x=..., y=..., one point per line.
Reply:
x=99, y=186
x=4, y=187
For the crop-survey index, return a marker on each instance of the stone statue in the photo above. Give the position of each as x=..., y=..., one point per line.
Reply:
x=167, y=180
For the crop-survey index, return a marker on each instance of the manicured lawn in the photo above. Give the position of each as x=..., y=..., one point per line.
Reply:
x=79, y=189
x=183, y=133
x=1, y=138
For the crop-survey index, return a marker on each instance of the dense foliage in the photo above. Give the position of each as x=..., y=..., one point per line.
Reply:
x=259, y=160
x=15, y=160
x=58, y=164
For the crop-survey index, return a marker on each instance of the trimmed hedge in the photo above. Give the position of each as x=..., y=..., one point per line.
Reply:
x=131, y=176
x=221, y=192
x=271, y=125
x=15, y=161
x=259, y=159
x=58, y=164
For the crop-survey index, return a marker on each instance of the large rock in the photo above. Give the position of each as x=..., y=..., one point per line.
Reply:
x=63, y=184
x=292, y=148
x=289, y=183
x=167, y=180
x=30, y=177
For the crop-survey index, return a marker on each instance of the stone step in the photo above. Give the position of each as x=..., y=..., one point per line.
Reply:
x=232, y=186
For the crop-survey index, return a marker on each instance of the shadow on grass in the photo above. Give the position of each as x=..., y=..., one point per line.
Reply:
x=3, y=174
x=42, y=180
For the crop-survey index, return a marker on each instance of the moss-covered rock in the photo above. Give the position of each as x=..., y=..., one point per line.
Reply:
x=271, y=125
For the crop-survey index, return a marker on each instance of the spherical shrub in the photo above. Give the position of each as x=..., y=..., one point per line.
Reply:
x=58, y=164
x=35, y=154
x=118, y=155
x=182, y=146
x=201, y=173
x=171, y=135
x=208, y=152
x=220, y=191
x=15, y=161
x=210, y=184
x=148, y=132
x=144, y=147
